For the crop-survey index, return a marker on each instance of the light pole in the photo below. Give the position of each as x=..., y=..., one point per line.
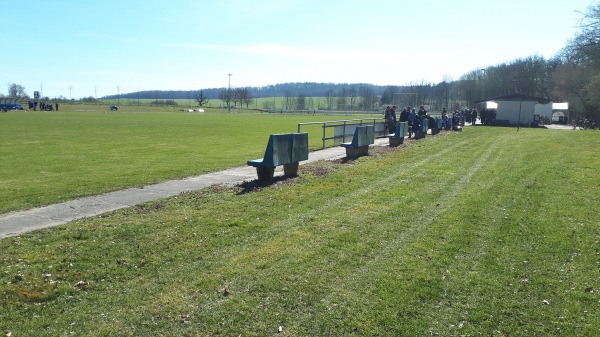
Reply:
x=483, y=70
x=229, y=95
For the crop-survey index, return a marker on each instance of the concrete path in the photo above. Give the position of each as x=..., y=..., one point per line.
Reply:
x=15, y=223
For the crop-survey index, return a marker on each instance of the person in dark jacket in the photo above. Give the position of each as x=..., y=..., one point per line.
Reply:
x=404, y=115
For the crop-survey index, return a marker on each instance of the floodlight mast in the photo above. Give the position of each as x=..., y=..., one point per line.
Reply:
x=483, y=85
x=229, y=95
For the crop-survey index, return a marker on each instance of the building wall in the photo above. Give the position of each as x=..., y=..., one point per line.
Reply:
x=509, y=110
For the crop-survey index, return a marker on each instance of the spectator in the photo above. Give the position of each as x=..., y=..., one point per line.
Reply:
x=404, y=115
x=422, y=112
x=412, y=119
x=394, y=120
x=445, y=119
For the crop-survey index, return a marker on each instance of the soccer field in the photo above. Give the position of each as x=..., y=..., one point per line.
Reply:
x=48, y=157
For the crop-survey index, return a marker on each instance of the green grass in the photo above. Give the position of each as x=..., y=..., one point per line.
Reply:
x=488, y=232
x=48, y=157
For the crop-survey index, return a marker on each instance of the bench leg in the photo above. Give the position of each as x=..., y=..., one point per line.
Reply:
x=351, y=152
x=396, y=141
x=265, y=173
x=290, y=169
x=357, y=151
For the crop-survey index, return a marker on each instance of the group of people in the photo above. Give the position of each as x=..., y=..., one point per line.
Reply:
x=486, y=116
x=414, y=118
x=408, y=114
x=43, y=106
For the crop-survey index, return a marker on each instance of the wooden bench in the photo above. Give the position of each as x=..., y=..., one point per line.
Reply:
x=359, y=146
x=286, y=149
x=398, y=137
x=421, y=132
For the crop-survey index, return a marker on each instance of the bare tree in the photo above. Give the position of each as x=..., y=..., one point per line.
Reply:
x=17, y=91
x=352, y=97
x=587, y=42
x=201, y=99
x=288, y=100
x=330, y=98
x=469, y=85
x=570, y=81
x=245, y=96
x=225, y=95
x=236, y=97
x=368, y=97
x=341, y=100
x=301, y=102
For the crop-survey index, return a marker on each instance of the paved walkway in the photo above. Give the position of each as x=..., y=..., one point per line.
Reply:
x=15, y=223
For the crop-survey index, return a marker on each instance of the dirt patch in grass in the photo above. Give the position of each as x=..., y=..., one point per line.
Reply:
x=374, y=152
x=321, y=168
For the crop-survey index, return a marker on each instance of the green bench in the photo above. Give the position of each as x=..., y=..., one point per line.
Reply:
x=364, y=136
x=286, y=149
x=421, y=131
x=435, y=124
x=398, y=137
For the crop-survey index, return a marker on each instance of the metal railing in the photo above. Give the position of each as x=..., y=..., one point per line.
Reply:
x=344, y=124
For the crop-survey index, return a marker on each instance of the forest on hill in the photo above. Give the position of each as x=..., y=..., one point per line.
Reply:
x=309, y=89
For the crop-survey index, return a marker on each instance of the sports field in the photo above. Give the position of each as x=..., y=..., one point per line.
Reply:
x=485, y=232
x=48, y=157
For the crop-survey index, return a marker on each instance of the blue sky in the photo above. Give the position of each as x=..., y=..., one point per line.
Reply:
x=87, y=48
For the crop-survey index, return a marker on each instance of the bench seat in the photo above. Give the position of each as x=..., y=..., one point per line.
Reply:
x=359, y=146
x=398, y=137
x=286, y=149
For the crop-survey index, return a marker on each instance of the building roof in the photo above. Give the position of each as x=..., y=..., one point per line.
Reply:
x=516, y=97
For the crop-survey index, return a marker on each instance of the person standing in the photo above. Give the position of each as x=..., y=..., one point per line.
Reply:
x=394, y=119
x=422, y=112
x=388, y=119
x=390, y=116
x=404, y=115
x=412, y=119
x=445, y=120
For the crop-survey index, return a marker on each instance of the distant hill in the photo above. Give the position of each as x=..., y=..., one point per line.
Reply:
x=309, y=89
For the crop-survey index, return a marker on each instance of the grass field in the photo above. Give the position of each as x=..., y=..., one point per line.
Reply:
x=48, y=157
x=488, y=232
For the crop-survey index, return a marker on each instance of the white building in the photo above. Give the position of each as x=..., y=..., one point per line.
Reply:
x=518, y=109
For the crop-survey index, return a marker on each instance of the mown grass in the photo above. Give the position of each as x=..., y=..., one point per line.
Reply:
x=49, y=157
x=488, y=232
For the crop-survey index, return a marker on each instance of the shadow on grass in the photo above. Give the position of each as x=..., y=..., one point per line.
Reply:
x=319, y=169
x=258, y=185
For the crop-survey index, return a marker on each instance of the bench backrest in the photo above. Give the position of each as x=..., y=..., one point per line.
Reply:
x=299, y=146
x=364, y=135
x=286, y=148
x=401, y=130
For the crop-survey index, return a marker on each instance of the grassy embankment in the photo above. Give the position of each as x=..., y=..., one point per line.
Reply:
x=488, y=232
